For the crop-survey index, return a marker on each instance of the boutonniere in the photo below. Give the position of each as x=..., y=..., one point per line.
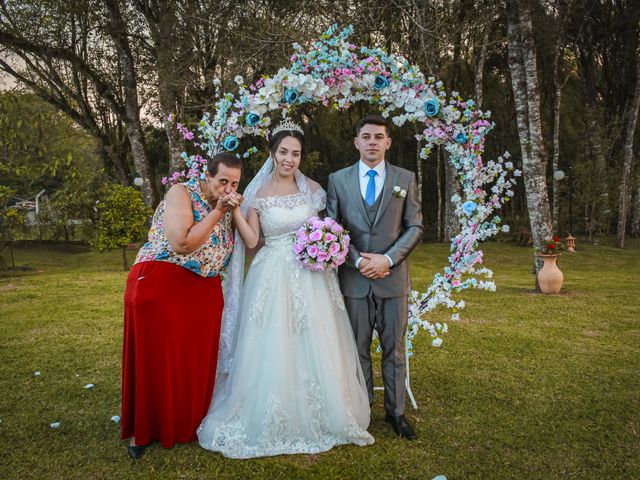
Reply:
x=399, y=192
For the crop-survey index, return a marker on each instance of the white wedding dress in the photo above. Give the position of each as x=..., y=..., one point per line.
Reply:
x=295, y=384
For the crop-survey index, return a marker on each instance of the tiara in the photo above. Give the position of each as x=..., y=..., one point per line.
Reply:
x=287, y=125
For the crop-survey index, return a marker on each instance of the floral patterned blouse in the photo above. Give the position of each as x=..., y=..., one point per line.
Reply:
x=210, y=259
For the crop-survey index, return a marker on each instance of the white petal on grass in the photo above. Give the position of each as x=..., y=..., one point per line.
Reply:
x=439, y=477
x=115, y=419
x=436, y=342
x=36, y=373
x=89, y=385
x=54, y=425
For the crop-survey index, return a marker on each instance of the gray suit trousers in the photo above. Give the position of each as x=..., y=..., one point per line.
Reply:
x=389, y=317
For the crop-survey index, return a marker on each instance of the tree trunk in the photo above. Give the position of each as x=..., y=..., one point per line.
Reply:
x=451, y=182
x=166, y=44
x=118, y=32
x=482, y=56
x=557, y=101
x=419, y=170
x=635, y=218
x=125, y=262
x=452, y=187
x=523, y=67
x=439, y=190
x=597, y=179
x=625, y=182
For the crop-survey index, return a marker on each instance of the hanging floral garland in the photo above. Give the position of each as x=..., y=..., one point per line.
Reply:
x=336, y=73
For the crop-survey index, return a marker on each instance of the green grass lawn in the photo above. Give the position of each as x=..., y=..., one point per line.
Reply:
x=525, y=386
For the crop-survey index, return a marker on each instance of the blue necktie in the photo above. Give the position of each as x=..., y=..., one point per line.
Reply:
x=370, y=194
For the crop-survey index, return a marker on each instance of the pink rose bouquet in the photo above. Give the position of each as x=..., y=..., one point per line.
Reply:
x=321, y=244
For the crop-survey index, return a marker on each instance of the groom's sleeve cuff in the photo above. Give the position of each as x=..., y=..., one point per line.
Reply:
x=357, y=264
x=388, y=258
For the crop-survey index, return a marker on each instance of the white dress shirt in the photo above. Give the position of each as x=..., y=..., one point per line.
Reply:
x=363, y=170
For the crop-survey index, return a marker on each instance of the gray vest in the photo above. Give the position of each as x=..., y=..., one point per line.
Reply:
x=372, y=210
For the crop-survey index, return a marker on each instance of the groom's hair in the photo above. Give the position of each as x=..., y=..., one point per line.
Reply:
x=373, y=119
x=227, y=159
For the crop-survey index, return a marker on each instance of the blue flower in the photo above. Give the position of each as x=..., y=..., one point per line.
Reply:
x=470, y=103
x=230, y=143
x=461, y=138
x=196, y=216
x=290, y=95
x=162, y=255
x=193, y=266
x=431, y=107
x=469, y=207
x=252, y=119
x=380, y=83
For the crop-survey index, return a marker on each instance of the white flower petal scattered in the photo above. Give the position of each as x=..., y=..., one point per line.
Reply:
x=54, y=425
x=115, y=419
x=36, y=373
x=89, y=386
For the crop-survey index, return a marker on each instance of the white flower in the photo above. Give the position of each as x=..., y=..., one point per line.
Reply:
x=54, y=425
x=89, y=386
x=115, y=419
x=238, y=79
x=455, y=317
x=505, y=228
x=436, y=342
x=216, y=82
x=36, y=373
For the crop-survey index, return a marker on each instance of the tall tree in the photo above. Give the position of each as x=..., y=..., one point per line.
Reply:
x=526, y=92
x=76, y=74
x=630, y=128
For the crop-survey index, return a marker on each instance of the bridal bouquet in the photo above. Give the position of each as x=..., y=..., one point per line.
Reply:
x=321, y=244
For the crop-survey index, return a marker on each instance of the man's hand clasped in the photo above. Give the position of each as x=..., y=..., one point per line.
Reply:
x=374, y=265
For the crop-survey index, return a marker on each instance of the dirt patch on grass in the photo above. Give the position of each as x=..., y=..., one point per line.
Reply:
x=8, y=288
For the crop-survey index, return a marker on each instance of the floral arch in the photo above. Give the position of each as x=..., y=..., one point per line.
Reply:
x=336, y=73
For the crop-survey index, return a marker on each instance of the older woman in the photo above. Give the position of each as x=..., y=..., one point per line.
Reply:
x=173, y=307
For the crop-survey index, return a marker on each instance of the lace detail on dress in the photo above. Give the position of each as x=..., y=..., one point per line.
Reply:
x=281, y=201
x=277, y=422
x=256, y=312
x=297, y=303
x=231, y=437
x=317, y=410
x=336, y=295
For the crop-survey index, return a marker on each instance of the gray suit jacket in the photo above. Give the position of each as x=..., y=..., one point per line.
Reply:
x=396, y=231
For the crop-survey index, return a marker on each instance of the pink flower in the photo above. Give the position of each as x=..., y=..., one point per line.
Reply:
x=312, y=250
x=334, y=248
x=322, y=256
x=337, y=228
x=315, y=235
x=317, y=224
x=329, y=237
x=298, y=248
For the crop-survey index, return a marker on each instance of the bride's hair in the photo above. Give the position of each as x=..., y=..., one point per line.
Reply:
x=275, y=140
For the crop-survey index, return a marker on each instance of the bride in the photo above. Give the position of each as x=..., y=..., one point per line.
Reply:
x=290, y=380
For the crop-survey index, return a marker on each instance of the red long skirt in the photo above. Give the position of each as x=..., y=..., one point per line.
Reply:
x=171, y=334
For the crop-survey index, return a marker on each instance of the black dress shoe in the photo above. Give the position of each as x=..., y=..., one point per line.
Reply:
x=136, y=451
x=401, y=426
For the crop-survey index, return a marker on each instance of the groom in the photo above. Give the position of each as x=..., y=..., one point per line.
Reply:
x=377, y=202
